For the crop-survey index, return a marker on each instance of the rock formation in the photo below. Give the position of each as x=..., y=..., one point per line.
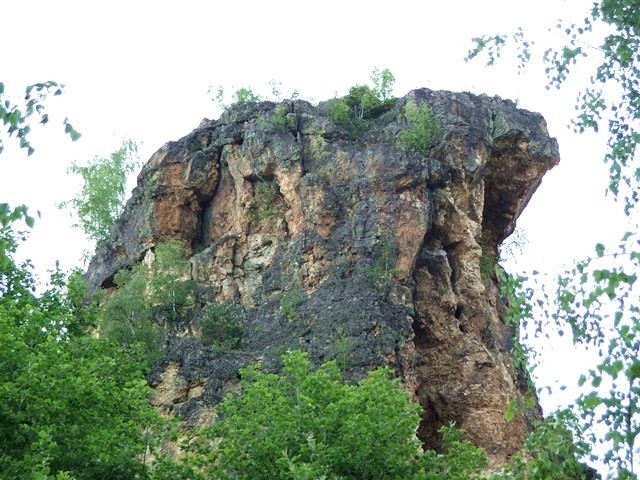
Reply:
x=348, y=248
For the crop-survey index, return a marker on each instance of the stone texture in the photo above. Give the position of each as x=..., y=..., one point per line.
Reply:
x=383, y=246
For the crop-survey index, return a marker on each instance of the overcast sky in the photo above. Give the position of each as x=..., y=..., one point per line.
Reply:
x=141, y=70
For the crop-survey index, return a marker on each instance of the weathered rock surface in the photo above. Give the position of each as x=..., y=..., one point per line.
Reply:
x=380, y=248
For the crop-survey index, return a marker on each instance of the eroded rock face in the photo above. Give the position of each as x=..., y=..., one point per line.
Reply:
x=380, y=248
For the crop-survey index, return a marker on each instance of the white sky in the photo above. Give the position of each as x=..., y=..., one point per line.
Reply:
x=141, y=69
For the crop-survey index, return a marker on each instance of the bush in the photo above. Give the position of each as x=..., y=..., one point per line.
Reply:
x=281, y=120
x=461, y=459
x=245, y=95
x=127, y=315
x=307, y=423
x=263, y=205
x=552, y=450
x=221, y=325
x=422, y=131
x=289, y=301
x=363, y=103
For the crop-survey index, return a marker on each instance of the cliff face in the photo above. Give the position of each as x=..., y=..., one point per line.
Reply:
x=349, y=249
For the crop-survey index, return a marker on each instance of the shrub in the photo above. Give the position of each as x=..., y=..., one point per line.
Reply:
x=171, y=289
x=460, y=460
x=280, y=119
x=307, y=423
x=422, y=131
x=383, y=270
x=363, y=103
x=263, y=205
x=245, y=95
x=552, y=450
x=221, y=325
x=127, y=315
x=288, y=303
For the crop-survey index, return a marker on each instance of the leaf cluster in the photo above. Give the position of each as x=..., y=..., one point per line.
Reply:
x=263, y=205
x=289, y=302
x=363, y=103
x=221, y=325
x=308, y=423
x=423, y=129
x=164, y=290
x=15, y=117
x=100, y=202
x=383, y=269
x=71, y=405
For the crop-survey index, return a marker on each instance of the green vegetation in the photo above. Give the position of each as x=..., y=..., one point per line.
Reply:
x=127, y=316
x=170, y=286
x=344, y=347
x=164, y=290
x=101, y=200
x=289, y=301
x=221, y=326
x=70, y=402
x=264, y=199
x=383, y=270
x=552, y=451
x=363, y=103
x=308, y=423
x=77, y=404
x=16, y=118
x=596, y=299
x=488, y=266
x=281, y=120
x=423, y=130
x=245, y=95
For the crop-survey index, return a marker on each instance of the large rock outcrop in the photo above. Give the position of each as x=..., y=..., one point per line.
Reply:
x=382, y=250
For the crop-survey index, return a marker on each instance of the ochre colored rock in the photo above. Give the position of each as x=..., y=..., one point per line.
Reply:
x=381, y=249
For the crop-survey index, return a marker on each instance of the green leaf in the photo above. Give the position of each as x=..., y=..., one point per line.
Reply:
x=633, y=371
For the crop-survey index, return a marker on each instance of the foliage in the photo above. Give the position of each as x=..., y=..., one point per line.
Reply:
x=165, y=289
x=281, y=119
x=461, y=459
x=289, y=301
x=221, y=325
x=170, y=286
x=383, y=270
x=422, y=131
x=68, y=402
x=363, y=103
x=263, y=204
x=612, y=95
x=15, y=118
x=599, y=303
x=240, y=96
x=307, y=423
x=596, y=300
x=127, y=315
x=518, y=312
x=551, y=451
x=245, y=95
x=488, y=265
x=383, y=81
x=100, y=202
